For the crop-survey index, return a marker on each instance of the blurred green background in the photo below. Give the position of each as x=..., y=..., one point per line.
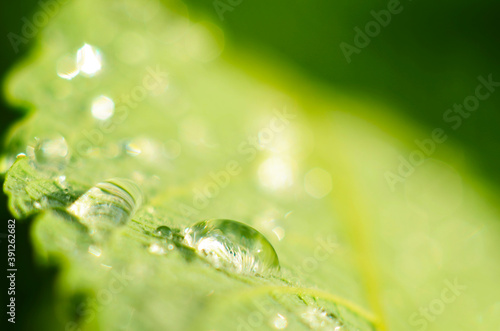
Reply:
x=426, y=60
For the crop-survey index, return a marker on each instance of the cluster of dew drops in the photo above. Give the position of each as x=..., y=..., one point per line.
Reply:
x=225, y=244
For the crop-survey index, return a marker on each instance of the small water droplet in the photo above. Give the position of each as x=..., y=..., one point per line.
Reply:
x=232, y=245
x=280, y=322
x=89, y=60
x=164, y=231
x=318, y=318
x=102, y=108
x=107, y=205
x=67, y=68
x=49, y=153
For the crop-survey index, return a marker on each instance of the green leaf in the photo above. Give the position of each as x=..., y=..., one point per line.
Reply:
x=231, y=136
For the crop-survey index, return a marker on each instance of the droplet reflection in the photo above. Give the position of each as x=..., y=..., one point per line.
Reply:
x=50, y=153
x=232, y=245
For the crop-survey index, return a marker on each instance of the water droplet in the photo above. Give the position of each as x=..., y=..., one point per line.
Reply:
x=67, y=68
x=232, y=245
x=318, y=318
x=102, y=108
x=279, y=232
x=89, y=60
x=280, y=322
x=49, y=153
x=107, y=205
x=164, y=231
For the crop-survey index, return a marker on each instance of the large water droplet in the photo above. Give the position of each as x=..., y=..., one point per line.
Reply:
x=232, y=245
x=107, y=205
